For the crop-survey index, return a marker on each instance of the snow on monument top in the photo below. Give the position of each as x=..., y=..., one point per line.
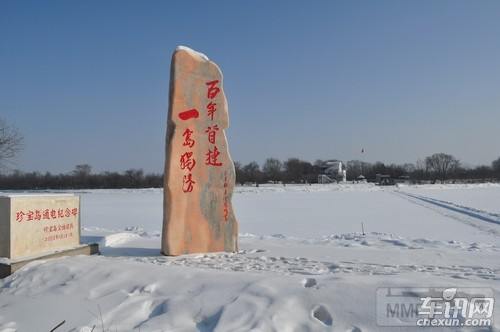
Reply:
x=190, y=50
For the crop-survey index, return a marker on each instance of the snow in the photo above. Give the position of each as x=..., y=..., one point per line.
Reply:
x=37, y=195
x=304, y=264
x=480, y=196
x=187, y=49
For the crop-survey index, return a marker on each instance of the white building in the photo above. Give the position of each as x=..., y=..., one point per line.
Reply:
x=332, y=171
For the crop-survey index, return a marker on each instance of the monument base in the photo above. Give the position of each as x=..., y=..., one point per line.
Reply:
x=6, y=269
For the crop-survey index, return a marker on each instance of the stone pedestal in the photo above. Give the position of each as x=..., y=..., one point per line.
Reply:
x=36, y=226
x=8, y=267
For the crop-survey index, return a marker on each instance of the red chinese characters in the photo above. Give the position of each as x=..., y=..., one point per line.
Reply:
x=211, y=108
x=56, y=237
x=188, y=140
x=226, y=199
x=213, y=89
x=212, y=156
x=212, y=131
x=186, y=160
x=58, y=228
x=213, y=153
x=58, y=232
x=188, y=183
x=20, y=216
x=45, y=214
x=212, y=92
x=189, y=114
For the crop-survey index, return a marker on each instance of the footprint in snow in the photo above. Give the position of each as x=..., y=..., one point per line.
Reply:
x=309, y=282
x=323, y=315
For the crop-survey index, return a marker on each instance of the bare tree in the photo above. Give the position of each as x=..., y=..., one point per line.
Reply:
x=441, y=164
x=11, y=142
x=82, y=170
x=272, y=169
x=252, y=172
x=409, y=168
x=495, y=165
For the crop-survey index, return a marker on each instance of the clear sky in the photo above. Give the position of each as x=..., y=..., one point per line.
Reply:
x=87, y=81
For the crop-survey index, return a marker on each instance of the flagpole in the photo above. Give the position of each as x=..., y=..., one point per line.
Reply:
x=362, y=151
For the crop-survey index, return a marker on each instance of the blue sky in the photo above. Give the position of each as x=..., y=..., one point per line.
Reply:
x=87, y=81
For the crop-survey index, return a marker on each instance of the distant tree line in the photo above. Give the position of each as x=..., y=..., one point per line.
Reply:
x=81, y=178
x=439, y=167
x=292, y=170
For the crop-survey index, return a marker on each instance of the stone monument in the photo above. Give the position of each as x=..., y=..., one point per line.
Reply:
x=199, y=173
x=39, y=226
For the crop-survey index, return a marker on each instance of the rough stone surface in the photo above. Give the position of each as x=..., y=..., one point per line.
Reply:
x=199, y=172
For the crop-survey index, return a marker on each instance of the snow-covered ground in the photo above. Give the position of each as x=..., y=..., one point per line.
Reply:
x=304, y=264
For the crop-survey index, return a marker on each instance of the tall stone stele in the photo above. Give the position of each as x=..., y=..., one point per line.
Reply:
x=199, y=173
